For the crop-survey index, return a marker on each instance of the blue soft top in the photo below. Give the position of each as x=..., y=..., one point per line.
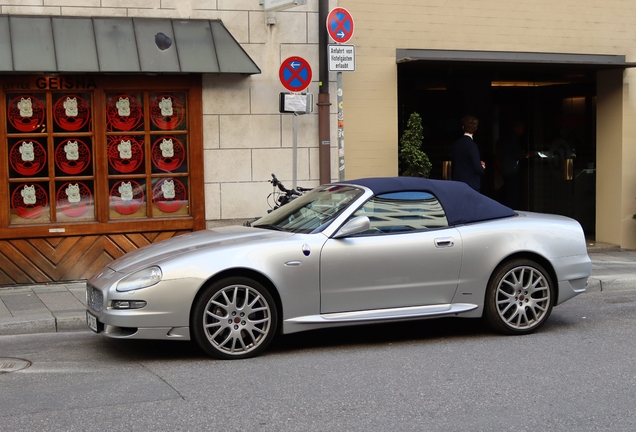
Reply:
x=461, y=203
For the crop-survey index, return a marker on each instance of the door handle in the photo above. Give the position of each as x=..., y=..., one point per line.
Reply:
x=444, y=242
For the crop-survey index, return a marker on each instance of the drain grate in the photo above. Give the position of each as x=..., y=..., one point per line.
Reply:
x=10, y=364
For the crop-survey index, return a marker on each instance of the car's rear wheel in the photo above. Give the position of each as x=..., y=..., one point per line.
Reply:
x=234, y=318
x=519, y=298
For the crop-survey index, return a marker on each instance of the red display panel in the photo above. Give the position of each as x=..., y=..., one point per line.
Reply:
x=29, y=201
x=124, y=112
x=27, y=157
x=26, y=113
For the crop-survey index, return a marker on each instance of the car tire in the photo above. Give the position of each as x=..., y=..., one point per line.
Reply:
x=519, y=297
x=234, y=318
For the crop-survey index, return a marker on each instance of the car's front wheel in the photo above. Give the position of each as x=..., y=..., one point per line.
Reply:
x=519, y=298
x=234, y=318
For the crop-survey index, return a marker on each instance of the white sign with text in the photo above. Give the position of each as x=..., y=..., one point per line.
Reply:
x=342, y=58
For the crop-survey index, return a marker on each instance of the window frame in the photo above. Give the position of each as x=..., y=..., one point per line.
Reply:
x=99, y=86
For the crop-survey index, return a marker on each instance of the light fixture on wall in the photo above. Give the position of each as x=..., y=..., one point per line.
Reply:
x=162, y=41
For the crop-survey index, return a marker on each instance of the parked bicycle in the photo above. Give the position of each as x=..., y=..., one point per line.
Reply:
x=281, y=195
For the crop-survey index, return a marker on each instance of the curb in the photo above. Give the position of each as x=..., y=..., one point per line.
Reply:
x=611, y=282
x=29, y=324
x=71, y=321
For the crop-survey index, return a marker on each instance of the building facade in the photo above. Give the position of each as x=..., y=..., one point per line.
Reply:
x=129, y=122
x=565, y=68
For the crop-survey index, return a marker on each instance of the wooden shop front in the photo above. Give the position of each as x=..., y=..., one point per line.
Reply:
x=95, y=166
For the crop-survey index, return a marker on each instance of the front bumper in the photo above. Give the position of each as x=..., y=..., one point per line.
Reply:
x=164, y=317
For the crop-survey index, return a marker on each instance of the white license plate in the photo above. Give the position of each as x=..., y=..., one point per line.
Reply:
x=91, y=321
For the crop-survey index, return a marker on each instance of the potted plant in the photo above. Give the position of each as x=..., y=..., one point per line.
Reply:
x=415, y=162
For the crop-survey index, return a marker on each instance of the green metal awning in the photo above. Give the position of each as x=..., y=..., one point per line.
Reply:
x=119, y=45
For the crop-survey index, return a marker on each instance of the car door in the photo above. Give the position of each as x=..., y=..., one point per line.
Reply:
x=409, y=257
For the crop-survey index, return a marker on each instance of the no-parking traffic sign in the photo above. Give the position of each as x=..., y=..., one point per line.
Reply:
x=340, y=25
x=295, y=74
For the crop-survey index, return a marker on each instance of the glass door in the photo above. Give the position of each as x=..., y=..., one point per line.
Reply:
x=561, y=170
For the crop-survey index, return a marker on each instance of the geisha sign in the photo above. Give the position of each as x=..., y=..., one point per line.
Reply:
x=52, y=83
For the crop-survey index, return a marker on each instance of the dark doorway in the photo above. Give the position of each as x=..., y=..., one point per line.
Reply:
x=557, y=107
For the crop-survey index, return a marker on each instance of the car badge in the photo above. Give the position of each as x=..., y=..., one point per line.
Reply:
x=306, y=249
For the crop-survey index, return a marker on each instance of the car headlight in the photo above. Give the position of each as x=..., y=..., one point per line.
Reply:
x=141, y=279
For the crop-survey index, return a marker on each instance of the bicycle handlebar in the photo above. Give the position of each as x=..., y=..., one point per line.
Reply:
x=285, y=195
x=298, y=191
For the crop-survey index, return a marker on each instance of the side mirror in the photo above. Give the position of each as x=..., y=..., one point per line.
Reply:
x=354, y=226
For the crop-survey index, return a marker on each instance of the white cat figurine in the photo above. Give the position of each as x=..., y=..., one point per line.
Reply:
x=125, y=149
x=123, y=107
x=28, y=195
x=26, y=150
x=167, y=187
x=126, y=191
x=72, y=150
x=73, y=193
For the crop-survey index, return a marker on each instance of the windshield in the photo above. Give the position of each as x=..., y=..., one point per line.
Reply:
x=310, y=212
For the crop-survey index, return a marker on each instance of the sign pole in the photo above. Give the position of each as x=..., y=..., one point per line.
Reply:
x=340, y=27
x=295, y=75
x=295, y=153
x=341, y=159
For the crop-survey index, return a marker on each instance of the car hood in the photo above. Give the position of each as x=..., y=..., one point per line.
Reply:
x=168, y=249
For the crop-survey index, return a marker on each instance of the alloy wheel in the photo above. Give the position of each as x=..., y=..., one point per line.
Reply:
x=236, y=320
x=523, y=298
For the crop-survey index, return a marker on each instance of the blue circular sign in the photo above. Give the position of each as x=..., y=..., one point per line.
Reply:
x=340, y=25
x=295, y=74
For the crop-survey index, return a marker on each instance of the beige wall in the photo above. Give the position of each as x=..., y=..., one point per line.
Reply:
x=609, y=144
x=627, y=183
x=580, y=27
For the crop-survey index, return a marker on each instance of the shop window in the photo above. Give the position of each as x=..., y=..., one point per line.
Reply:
x=147, y=154
x=98, y=155
x=51, y=176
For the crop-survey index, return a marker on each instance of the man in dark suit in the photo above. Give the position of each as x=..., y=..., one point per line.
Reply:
x=466, y=165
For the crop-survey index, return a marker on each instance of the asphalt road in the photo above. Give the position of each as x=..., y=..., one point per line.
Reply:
x=577, y=374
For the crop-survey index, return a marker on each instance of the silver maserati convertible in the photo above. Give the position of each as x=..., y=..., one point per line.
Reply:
x=355, y=252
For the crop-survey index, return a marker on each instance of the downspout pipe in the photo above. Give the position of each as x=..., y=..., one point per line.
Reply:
x=324, y=132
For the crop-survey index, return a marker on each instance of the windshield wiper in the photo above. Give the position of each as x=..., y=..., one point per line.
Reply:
x=270, y=227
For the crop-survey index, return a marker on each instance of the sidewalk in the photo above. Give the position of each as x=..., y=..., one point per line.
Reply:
x=60, y=307
x=42, y=308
